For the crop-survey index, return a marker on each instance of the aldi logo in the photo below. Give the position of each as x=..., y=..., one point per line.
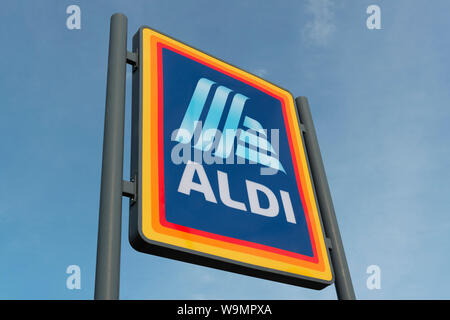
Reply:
x=255, y=135
x=223, y=178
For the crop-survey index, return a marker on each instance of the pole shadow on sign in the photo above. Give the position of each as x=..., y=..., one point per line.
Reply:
x=259, y=208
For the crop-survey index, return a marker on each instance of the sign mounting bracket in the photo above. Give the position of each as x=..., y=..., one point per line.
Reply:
x=129, y=189
x=132, y=58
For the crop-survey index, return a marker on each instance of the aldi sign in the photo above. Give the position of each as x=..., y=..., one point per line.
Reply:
x=222, y=174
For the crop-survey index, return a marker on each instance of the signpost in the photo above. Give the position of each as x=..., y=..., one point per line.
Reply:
x=110, y=218
x=223, y=172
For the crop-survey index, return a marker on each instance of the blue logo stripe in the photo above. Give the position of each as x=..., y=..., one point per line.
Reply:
x=254, y=140
x=194, y=110
x=255, y=125
x=213, y=118
x=231, y=124
x=261, y=141
x=258, y=157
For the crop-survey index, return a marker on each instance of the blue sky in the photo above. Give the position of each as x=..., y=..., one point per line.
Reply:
x=380, y=102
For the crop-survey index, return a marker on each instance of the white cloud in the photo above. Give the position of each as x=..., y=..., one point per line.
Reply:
x=319, y=30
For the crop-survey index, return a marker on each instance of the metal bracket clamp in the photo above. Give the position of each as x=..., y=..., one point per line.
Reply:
x=132, y=58
x=328, y=243
x=302, y=127
x=129, y=189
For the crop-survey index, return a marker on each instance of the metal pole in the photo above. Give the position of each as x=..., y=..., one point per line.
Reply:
x=107, y=274
x=343, y=281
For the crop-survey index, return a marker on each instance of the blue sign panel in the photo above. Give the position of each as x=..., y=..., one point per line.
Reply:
x=223, y=175
x=196, y=93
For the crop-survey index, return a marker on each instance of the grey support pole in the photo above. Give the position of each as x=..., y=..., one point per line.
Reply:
x=343, y=281
x=107, y=274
